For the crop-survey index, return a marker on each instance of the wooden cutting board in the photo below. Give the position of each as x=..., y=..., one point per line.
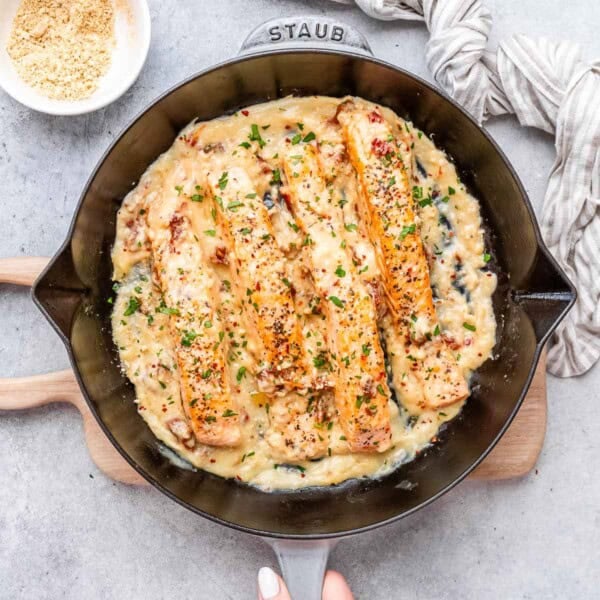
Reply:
x=514, y=456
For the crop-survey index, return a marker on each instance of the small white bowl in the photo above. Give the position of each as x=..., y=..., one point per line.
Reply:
x=132, y=40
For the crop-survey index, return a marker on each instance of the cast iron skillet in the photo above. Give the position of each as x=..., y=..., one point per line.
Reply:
x=532, y=297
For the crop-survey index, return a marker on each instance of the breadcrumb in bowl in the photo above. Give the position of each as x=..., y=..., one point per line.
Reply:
x=48, y=70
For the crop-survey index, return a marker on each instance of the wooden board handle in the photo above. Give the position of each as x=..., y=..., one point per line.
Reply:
x=514, y=456
x=18, y=393
x=22, y=270
x=30, y=392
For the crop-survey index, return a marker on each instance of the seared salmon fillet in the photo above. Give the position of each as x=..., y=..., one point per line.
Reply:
x=260, y=276
x=259, y=273
x=388, y=206
x=188, y=289
x=360, y=389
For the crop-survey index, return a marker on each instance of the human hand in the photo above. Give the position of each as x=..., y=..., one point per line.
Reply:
x=272, y=587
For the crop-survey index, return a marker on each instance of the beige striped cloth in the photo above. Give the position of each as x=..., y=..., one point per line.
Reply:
x=548, y=86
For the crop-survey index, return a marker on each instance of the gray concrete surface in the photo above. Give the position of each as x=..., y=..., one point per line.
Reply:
x=68, y=532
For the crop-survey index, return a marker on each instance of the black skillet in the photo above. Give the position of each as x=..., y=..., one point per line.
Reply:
x=533, y=294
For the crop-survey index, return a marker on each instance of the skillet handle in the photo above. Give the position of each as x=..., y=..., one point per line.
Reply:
x=308, y=31
x=303, y=565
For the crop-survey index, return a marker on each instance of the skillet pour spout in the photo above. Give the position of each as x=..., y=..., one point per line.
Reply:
x=547, y=297
x=532, y=297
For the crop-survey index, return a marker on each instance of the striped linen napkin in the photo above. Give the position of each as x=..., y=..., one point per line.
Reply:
x=546, y=85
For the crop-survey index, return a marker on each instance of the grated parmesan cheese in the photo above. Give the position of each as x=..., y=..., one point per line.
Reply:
x=63, y=47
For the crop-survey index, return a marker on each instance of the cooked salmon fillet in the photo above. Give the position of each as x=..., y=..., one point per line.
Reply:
x=360, y=389
x=259, y=272
x=388, y=205
x=261, y=279
x=189, y=292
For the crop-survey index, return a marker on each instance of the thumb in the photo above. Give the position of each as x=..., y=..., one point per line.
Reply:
x=271, y=586
x=335, y=587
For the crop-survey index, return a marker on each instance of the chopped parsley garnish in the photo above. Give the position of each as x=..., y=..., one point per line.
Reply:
x=451, y=191
x=293, y=226
x=340, y=271
x=366, y=349
x=300, y=126
x=197, y=198
x=132, y=306
x=188, y=337
x=309, y=137
x=350, y=226
x=210, y=232
x=417, y=192
x=247, y=455
x=469, y=327
x=245, y=145
x=320, y=360
x=359, y=401
x=223, y=180
x=234, y=205
x=297, y=139
x=425, y=202
x=335, y=300
x=245, y=231
x=229, y=413
x=286, y=466
x=210, y=419
x=251, y=196
x=286, y=281
x=206, y=374
x=486, y=258
x=240, y=374
x=179, y=189
x=436, y=331
x=255, y=135
x=162, y=384
x=165, y=310
x=276, y=177
x=407, y=229
x=391, y=182
x=380, y=389
x=207, y=324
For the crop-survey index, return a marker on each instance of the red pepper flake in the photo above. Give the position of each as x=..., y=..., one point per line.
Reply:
x=381, y=148
x=212, y=460
x=245, y=113
x=375, y=117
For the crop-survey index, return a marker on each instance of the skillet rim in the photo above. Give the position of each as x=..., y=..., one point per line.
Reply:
x=541, y=246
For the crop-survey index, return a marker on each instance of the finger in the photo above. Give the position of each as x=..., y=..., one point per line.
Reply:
x=271, y=586
x=335, y=587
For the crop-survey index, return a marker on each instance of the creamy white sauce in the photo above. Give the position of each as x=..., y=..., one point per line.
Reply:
x=451, y=230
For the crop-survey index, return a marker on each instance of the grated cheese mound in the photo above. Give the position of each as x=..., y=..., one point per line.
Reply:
x=63, y=47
